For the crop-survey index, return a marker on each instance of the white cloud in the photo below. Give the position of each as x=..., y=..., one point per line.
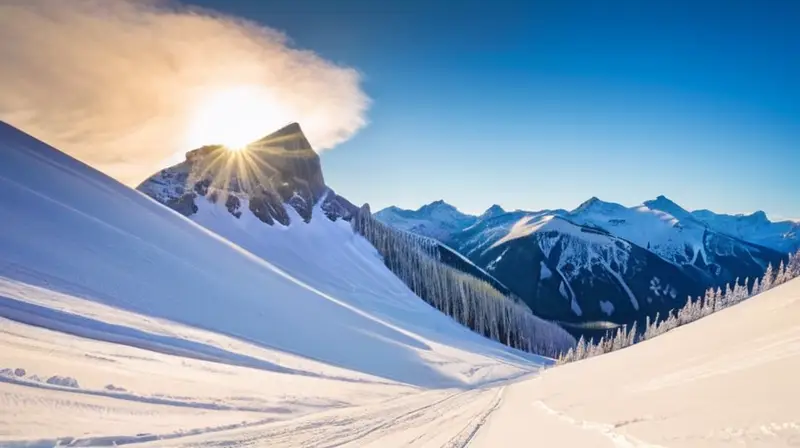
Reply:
x=117, y=83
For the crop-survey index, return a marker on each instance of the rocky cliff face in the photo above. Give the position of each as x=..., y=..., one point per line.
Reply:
x=279, y=170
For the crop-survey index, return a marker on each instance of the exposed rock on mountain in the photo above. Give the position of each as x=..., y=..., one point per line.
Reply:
x=280, y=169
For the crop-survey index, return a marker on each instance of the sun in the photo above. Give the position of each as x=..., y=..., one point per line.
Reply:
x=233, y=117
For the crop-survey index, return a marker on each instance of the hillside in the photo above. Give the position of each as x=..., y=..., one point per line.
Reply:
x=169, y=327
x=726, y=380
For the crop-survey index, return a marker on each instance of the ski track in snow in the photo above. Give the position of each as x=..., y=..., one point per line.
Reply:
x=425, y=419
x=618, y=439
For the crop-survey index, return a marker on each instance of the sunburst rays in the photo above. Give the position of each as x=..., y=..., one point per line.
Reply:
x=255, y=167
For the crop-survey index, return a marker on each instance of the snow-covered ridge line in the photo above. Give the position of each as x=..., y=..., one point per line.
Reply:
x=610, y=262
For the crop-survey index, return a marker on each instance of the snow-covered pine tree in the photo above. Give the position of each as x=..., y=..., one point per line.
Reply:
x=728, y=295
x=582, y=348
x=738, y=293
x=685, y=313
x=794, y=265
x=780, y=276
x=756, y=287
x=708, y=302
x=718, y=299
x=745, y=290
x=768, y=279
x=632, y=339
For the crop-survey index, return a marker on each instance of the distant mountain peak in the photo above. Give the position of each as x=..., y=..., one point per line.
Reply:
x=436, y=220
x=759, y=215
x=661, y=200
x=438, y=205
x=586, y=204
x=594, y=203
x=491, y=212
x=667, y=205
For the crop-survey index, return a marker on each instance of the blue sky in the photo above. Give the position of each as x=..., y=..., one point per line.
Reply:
x=543, y=104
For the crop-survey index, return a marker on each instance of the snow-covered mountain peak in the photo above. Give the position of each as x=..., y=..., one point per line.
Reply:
x=664, y=204
x=438, y=220
x=758, y=216
x=439, y=207
x=588, y=204
x=756, y=227
x=594, y=205
x=491, y=212
x=279, y=169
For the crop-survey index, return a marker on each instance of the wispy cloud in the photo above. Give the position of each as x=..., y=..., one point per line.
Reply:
x=118, y=83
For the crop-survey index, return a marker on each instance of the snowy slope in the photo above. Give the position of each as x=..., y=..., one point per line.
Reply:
x=93, y=262
x=726, y=380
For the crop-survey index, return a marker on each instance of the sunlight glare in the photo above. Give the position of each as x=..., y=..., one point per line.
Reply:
x=234, y=117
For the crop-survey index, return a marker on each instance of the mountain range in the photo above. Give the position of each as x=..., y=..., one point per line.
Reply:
x=602, y=261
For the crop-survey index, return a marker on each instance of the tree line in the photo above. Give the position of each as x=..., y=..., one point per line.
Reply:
x=470, y=301
x=715, y=299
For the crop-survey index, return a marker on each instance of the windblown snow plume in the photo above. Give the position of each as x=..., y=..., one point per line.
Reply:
x=129, y=85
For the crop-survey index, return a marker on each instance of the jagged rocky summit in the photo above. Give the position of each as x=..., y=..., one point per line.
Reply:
x=277, y=170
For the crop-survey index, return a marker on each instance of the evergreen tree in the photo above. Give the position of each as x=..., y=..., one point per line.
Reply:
x=718, y=300
x=768, y=279
x=794, y=265
x=632, y=335
x=708, y=302
x=779, y=276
